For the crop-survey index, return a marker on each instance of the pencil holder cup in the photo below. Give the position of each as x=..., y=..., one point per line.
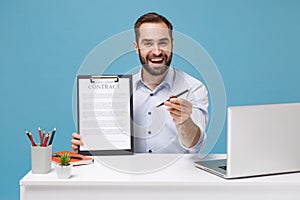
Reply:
x=41, y=158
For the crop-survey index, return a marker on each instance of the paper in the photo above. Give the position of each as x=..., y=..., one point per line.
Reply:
x=104, y=113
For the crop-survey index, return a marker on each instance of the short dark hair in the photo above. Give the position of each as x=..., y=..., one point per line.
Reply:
x=151, y=17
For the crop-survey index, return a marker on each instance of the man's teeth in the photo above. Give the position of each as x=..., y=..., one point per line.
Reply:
x=156, y=60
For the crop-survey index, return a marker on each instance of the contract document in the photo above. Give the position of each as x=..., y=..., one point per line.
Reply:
x=105, y=114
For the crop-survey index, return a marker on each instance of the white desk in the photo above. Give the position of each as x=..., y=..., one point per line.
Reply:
x=176, y=178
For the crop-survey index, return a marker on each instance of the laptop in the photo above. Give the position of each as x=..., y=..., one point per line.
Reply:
x=261, y=140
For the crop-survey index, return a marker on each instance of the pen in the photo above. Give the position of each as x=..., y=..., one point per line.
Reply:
x=46, y=139
x=75, y=157
x=41, y=135
x=30, y=137
x=178, y=95
x=52, y=136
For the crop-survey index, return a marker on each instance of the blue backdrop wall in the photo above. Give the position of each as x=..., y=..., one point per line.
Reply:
x=255, y=45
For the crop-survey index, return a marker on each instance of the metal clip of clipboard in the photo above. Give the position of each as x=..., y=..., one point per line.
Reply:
x=97, y=79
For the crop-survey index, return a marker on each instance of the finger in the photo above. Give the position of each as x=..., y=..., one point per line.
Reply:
x=76, y=142
x=174, y=106
x=181, y=109
x=168, y=103
x=179, y=104
x=76, y=136
x=175, y=100
x=75, y=148
x=174, y=111
x=182, y=102
x=179, y=113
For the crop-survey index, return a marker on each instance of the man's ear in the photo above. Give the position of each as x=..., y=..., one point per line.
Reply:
x=136, y=47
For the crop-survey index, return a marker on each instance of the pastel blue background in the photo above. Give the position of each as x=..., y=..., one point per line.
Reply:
x=255, y=45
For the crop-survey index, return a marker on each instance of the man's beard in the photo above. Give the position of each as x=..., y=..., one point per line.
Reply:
x=163, y=67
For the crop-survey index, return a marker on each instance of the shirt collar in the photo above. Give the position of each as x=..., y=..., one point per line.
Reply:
x=169, y=79
x=167, y=82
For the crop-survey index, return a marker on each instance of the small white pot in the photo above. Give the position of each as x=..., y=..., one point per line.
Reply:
x=63, y=172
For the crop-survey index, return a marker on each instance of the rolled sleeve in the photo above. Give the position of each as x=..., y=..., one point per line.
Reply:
x=198, y=97
x=198, y=146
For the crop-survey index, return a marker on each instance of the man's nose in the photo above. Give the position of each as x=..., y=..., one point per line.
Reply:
x=156, y=50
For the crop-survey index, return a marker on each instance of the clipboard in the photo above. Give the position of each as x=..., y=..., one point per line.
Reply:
x=105, y=113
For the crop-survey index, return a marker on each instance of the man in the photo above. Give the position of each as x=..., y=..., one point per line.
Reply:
x=179, y=125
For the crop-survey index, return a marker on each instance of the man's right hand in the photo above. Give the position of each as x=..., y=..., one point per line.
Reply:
x=75, y=141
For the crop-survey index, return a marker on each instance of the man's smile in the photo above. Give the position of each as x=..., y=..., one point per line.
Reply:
x=157, y=60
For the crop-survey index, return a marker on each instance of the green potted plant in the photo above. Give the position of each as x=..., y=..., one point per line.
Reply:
x=64, y=167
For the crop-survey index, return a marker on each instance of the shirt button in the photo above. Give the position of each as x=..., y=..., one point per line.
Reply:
x=151, y=94
x=150, y=151
x=149, y=132
x=149, y=113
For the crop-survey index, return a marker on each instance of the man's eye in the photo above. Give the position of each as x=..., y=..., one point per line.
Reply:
x=163, y=43
x=148, y=44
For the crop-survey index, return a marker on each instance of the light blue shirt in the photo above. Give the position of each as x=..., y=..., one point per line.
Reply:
x=154, y=128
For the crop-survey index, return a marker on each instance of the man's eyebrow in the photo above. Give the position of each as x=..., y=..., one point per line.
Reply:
x=147, y=40
x=163, y=39
x=151, y=40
